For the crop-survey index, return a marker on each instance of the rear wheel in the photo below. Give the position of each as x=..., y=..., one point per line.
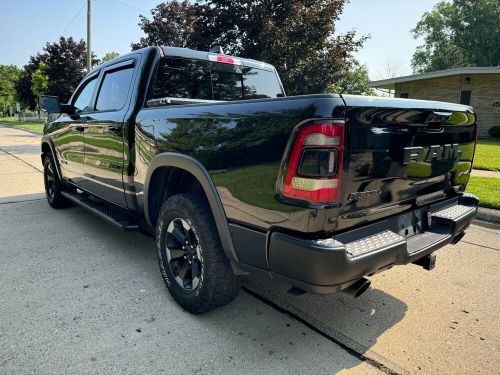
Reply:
x=192, y=261
x=53, y=186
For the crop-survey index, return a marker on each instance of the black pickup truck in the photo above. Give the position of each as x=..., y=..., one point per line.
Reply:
x=205, y=151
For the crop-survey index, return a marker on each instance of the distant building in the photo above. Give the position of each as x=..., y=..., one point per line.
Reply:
x=477, y=87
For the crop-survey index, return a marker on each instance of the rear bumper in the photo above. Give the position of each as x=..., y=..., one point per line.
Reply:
x=330, y=265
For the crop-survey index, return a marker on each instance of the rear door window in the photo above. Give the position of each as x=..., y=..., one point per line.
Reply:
x=114, y=89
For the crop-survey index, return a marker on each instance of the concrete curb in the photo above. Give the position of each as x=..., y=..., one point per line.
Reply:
x=488, y=214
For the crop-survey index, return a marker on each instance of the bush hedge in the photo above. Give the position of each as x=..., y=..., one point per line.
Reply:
x=494, y=132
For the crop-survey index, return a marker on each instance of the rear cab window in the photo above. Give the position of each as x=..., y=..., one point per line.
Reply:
x=183, y=78
x=205, y=80
x=233, y=82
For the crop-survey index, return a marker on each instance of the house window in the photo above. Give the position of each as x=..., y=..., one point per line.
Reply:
x=465, y=97
x=403, y=95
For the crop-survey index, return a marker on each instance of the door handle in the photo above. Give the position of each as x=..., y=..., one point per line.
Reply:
x=79, y=128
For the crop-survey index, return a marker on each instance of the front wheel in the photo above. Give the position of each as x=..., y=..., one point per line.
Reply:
x=53, y=186
x=192, y=261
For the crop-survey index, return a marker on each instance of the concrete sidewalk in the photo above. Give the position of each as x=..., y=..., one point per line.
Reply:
x=20, y=163
x=481, y=173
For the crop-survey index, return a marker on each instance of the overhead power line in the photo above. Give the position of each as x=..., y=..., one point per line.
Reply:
x=130, y=6
x=74, y=18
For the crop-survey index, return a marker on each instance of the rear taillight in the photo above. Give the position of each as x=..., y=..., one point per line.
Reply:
x=313, y=170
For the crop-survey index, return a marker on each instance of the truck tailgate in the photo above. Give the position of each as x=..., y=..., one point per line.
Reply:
x=399, y=152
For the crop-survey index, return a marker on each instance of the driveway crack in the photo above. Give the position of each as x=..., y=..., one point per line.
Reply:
x=361, y=355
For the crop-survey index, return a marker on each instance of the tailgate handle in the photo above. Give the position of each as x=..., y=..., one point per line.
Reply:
x=435, y=121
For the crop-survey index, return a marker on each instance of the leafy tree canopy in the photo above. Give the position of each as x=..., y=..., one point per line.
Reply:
x=40, y=80
x=457, y=34
x=110, y=56
x=65, y=65
x=23, y=84
x=354, y=82
x=296, y=36
x=9, y=75
x=172, y=24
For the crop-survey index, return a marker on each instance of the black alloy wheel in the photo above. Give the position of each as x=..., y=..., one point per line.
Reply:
x=192, y=260
x=184, y=254
x=53, y=186
x=49, y=182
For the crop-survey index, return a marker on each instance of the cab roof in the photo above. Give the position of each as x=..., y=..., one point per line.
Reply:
x=191, y=54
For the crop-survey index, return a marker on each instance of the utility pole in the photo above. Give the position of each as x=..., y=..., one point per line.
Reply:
x=89, y=35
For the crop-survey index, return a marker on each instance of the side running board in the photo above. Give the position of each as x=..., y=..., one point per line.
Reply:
x=113, y=215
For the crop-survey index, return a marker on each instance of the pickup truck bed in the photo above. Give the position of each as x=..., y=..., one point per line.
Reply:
x=318, y=190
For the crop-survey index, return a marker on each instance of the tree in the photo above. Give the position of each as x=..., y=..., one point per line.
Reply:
x=354, y=81
x=173, y=24
x=391, y=68
x=458, y=34
x=9, y=75
x=40, y=80
x=65, y=66
x=23, y=84
x=110, y=56
x=296, y=36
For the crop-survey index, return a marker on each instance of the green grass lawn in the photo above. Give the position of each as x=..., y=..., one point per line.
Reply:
x=487, y=155
x=11, y=121
x=487, y=189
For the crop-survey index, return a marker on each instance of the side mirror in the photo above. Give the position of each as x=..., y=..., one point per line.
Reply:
x=51, y=104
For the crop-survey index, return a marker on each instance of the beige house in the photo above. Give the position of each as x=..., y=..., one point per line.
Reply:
x=476, y=86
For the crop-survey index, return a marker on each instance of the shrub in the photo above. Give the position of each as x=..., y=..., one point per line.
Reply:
x=494, y=132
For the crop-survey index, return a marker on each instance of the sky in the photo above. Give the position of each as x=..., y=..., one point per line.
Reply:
x=25, y=27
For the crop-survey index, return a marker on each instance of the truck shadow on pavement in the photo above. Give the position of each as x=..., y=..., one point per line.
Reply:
x=96, y=294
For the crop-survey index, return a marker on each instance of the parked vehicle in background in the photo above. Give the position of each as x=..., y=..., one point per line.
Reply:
x=233, y=177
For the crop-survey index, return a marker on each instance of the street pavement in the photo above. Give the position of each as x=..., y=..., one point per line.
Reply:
x=78, y=295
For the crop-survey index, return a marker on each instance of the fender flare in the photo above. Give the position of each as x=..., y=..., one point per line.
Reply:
x=48, y=141
x=191, y=165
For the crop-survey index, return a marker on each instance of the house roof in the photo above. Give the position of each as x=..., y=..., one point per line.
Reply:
x=391, y=82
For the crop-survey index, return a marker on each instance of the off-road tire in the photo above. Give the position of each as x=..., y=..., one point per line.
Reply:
x=53, y=186
x=218, y=285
